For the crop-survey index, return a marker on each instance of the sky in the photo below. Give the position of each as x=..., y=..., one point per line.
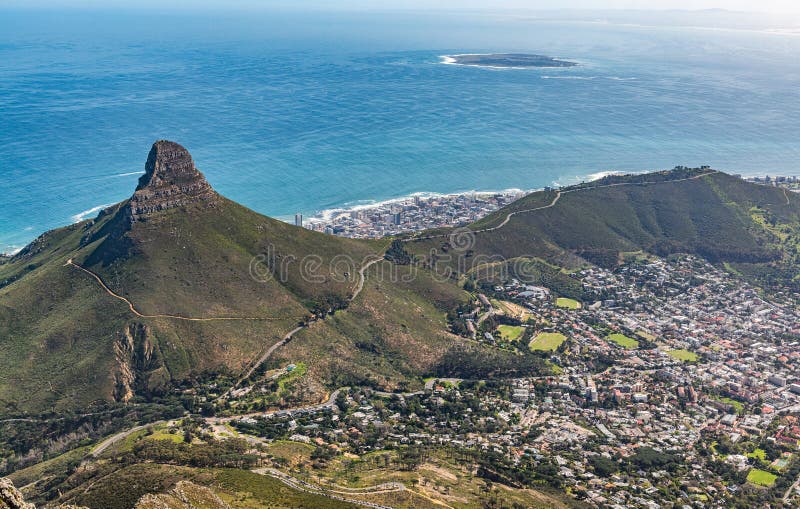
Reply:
x=775, y=6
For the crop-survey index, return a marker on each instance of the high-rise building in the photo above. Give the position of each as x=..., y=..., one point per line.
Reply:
x=298, y=219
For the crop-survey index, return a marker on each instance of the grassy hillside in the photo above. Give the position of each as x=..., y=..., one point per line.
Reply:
x=394, y=332
x=189, y=286
x=713, y=215
x=213, y=284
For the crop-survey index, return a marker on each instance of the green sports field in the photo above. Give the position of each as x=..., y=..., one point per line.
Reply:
x=683, y=355
x=761, y=477
x=511, y=332
x=564, y=302
x=623, y=340
x=547, y=341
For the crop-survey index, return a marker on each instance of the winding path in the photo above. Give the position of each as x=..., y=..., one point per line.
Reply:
x=288, y=337
x=313, y=489
x=363, y=277
x=558, y=195
x=175, y=317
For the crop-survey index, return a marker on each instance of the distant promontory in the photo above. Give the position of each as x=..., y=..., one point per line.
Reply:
x=507, y=60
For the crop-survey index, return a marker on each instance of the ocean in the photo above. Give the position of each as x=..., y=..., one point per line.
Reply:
x=289, y=111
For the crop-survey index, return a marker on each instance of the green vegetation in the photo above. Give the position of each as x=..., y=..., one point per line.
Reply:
x=51, y=470
x=166, y=435
x=709, y=216
x=564, y=302
x=511, y=332
x=623, y=340
x=761, y=477
x=547, y=341
x=760, y=454
x=735, y=404
x=64, y=325
x=258, y=489
x=683, y=355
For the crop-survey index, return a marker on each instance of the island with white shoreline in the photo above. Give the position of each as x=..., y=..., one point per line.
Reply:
x=506, y=60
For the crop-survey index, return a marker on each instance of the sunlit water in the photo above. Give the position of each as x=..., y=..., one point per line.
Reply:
x=303, y=112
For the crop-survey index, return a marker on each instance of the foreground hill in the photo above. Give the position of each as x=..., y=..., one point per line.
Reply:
x=174, y=282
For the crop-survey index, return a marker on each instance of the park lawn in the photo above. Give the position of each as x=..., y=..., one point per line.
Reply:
x=736, y=404
x=164, y=434
x=547, y=341
x=760, y=454
x=564, y=302
x=683, y=355
x=511, y=332
x=623, y=340
x=761, y=477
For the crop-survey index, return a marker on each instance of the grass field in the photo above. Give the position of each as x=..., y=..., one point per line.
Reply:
x=511, y=332
x=547, y=341
x=623, y=341
x=166, y=435
x=683, y=355
x=736, y=404
x=758, y=454
x=564, y=302
x=761, y=477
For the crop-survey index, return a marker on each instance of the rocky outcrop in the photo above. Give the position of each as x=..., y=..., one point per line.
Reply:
x=11, y=498
x=136, y=357
x=171, y=180
x=185, y=495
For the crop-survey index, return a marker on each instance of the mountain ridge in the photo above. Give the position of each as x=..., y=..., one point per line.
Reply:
x=178, y=280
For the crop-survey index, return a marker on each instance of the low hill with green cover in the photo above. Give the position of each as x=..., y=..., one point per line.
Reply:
x=720, y=217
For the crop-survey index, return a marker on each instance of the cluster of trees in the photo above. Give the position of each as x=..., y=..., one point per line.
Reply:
x=468, y=361
x=27, y=442
x=397, y=253
x=231, y=453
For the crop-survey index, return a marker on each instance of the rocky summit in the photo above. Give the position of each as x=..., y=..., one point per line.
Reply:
x=171, y=180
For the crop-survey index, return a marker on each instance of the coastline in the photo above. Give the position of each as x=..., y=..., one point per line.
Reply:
x=348, y=208
x=323, y=216
x=332, y=213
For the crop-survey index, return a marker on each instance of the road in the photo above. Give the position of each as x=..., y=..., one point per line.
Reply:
x=791, y=489
x=108, y=442
x=285, y=339
x=288, y=337
x=329, y=403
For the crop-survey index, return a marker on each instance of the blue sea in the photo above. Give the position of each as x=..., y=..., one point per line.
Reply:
x=289, y=111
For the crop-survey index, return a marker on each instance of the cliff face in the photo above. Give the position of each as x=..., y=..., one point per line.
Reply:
x=11, y=498
x=171, y=180
x=138, y=365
